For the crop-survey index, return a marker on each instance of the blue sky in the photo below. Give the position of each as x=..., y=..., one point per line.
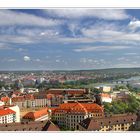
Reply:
x=69, y=39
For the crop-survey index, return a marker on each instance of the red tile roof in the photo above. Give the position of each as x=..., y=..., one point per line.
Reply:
x=66, y=91
x=37, y=114
x=5, y=99
x=18, y=99
x=6, y=111
x=78, y=107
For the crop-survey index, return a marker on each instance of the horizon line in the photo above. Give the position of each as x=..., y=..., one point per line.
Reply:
x=71, y=69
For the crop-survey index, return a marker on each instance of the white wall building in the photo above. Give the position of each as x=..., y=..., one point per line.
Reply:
x=17, y=110
x=104, y=88
x=7, y=115
x=106, y=97
x=1, y=103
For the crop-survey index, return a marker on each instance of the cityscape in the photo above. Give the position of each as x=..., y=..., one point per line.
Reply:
x=70, y=70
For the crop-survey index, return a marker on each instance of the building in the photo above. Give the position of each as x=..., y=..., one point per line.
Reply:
x=5, y=100
x=67, y=115
x=30, y=126
x=1, y=103
x=31, y=90
x=69, y=92
x=122, y=122
x=17, y=110
x=104, y=88
x=7, y=115
x=120, y=96
x=105, y=97
x=40, y=115
x=54, y=100
x=30, y=101
x=14, y=117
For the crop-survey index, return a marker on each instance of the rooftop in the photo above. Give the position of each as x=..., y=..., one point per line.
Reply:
x=96, y=123
x=6, y=111
x=37, y=114
x=78, y=107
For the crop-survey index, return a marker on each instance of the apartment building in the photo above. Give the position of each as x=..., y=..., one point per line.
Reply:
x=69, y=114
x=121, y=122
x=30, y=101
x=7, y=115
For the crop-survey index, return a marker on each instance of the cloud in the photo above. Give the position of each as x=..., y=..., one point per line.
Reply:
x=12, y=60
x=4, y=46
x=126, y=65
x=37, y=60
x=123, y=59
x=57, y=60
x=10, y=18
x=107, y=14
x=26, y=58
x=130, y=53
x=134, y=24
x=100, y=48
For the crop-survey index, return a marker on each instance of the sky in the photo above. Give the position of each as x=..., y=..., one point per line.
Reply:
x=69, y=39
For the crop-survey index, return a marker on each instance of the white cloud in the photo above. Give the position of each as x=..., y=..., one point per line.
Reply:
x=91, y=61
x=4, y=46
x=12, y=60
x=123, y=59
x=21, y=50
x=130, y=54
x=37, y=60
x=18, y=18
x=108, y=14
x=57, y=60
x=26, y=58
x=134, y=24
x=99, y=48
x=125, y=65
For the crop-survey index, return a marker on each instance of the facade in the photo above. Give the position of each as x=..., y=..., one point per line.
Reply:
x=17, y=110
x=104, y=88
x=7, y=116
x=105, y=97
x=67, y=115
x=120, y=96
x=30, y=101
x=54, y=100
x=1, y=103
x=122, y=122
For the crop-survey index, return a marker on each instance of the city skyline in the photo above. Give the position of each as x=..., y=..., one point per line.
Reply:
x=69, y=39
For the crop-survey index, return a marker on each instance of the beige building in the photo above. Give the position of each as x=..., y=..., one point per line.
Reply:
x=67, y=115
x=104, y=88
x=122, y=122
